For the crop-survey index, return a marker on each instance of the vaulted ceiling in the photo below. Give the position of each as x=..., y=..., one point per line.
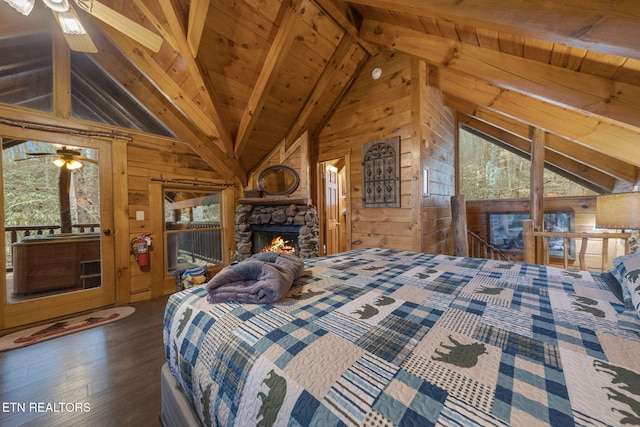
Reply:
x=235, y=78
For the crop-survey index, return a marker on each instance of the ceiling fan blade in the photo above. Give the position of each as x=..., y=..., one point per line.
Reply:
x=85, y=159
x=121, y=23
x=76, y=42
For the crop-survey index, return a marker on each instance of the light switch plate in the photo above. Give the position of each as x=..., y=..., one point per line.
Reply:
x=139, y=215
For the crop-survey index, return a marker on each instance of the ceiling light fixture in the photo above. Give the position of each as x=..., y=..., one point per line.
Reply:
x=376, y=73
x=71, y=164
x=70, y=23
x=23, y=6
x=57, y=5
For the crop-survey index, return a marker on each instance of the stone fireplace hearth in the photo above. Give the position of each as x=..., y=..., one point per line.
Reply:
x=295, y=220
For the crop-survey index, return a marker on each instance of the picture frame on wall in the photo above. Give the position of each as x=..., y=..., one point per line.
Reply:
x=381, y=173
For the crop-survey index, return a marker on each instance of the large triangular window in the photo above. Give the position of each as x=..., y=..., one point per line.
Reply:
x=492, y=169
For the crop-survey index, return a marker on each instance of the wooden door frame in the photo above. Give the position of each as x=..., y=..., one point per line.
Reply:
x=162, y=283
x=40, y=309
x=320, y=188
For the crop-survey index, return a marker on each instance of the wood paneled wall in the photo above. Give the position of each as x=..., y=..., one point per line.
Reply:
x=439, y=132
x=399, y=103
x=296, y=156
x=149, y=160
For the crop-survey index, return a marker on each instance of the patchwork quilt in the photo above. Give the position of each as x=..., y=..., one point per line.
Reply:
x=381, y=337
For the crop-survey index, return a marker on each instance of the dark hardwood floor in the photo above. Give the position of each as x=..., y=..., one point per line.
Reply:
x=110, y=375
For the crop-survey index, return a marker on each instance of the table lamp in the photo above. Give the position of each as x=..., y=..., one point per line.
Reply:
x=620, y=211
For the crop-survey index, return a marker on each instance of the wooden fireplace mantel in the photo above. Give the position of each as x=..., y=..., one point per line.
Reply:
x=272, y=202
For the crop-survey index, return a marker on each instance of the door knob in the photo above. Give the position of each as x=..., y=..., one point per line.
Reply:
x=106, y=232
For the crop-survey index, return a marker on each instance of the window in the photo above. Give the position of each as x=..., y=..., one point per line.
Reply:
x=193, y=229
x=505, y=231
x=491, y=169
x=51, y=193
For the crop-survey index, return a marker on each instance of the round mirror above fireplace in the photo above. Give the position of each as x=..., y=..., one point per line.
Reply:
x=278, y=180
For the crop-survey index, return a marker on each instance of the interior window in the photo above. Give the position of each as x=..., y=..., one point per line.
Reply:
x=193, y=229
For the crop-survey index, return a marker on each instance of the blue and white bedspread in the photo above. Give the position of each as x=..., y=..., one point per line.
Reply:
x=382, y=338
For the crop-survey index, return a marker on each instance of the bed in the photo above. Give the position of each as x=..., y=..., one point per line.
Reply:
x=379, y=337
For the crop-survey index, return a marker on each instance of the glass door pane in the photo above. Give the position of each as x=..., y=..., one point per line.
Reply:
x=193, y=229
x=52, y=219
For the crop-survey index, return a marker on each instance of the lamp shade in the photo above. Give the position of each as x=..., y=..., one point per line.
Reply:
x=618, y=210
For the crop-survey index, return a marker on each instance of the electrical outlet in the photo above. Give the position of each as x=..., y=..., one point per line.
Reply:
x=139, y=215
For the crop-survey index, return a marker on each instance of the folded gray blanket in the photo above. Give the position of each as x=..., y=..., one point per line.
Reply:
x=263, y=278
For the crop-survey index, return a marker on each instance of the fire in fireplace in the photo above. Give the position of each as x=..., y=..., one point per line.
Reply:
x=278, y=244
x=264, y=235
x=257, y=224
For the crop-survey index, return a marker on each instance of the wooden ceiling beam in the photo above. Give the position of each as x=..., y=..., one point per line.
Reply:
x=160, y=26
x=579, y=170
x=593, y=25
x=144, y=90
x=342, y=14
x=610, y=100
x=208, y=97
x=155, y=73
x=61, y=76
x=197, y=16
x=274, y=60
x=617, y=168
x=571, y=124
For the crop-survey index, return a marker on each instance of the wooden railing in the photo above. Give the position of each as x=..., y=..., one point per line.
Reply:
x=480, y=248
x=537, y=243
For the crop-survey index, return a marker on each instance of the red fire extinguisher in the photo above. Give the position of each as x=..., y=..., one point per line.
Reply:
x=140, y=248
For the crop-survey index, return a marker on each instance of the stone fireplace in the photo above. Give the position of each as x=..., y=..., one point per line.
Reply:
x=257, y=222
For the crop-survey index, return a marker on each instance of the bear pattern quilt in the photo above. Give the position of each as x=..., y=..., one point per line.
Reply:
x=379, y=337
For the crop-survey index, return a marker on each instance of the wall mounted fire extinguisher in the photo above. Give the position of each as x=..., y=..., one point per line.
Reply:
x=140, y=248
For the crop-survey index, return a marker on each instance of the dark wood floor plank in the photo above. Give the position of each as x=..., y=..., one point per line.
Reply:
x=113, y=368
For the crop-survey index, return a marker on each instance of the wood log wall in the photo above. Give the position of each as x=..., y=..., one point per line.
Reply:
x=147, y=161
x=399, y=103
x=439, y=132
x=295, y=156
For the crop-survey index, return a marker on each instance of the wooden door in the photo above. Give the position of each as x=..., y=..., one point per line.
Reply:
x=83, y=263
x=332, y=212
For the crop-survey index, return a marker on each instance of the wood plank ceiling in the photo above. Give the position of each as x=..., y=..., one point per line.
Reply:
x=234, y=78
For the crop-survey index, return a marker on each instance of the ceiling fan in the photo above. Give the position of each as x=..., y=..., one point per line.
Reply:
x=65, y=156
x=75, y=34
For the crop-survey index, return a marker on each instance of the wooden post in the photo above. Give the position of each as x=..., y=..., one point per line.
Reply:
x=61, y=76
x=529, y=242
x=536, y=208
x=537, y=177
x=459, y=214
